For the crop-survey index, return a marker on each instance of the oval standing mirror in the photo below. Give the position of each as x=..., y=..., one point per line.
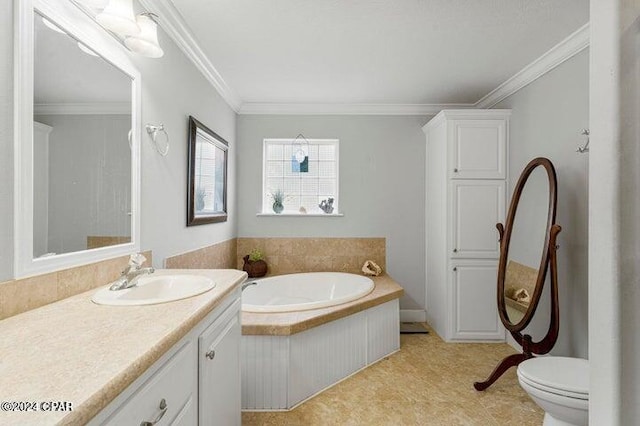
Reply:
x=525, y=258
x=527, y=252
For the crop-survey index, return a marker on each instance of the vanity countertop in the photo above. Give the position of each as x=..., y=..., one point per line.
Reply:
x=74, y=350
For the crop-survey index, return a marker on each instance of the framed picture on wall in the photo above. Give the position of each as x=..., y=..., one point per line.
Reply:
x=207, y=186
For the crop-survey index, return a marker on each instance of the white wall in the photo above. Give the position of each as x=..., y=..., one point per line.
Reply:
x=630, y=209
x=6, y=140
x=614, y=224
x=173, y=89
x=382, y=161
x=547, y=118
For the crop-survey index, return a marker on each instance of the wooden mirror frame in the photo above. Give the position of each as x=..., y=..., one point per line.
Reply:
x=548, y=261
x=192, y=219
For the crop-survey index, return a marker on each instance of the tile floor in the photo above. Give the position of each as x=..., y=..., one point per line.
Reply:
x=428, y=382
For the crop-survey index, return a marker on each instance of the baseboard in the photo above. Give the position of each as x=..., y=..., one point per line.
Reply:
x=413, y=315
x=512, y=342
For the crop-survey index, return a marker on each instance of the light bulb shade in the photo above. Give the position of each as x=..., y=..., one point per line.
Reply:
x=118, y=17
x=145, y=43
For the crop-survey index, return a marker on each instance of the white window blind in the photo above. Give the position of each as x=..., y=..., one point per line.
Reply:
x=301, y=188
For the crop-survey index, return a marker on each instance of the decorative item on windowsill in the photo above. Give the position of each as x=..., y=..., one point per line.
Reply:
x=254, y=264
x=200, y=196
x=278, y=200
x=300, y=157
x=326, y=205
x=371, y=268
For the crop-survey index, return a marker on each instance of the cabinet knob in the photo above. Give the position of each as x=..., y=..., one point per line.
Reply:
x=455, y=268
x=211, y=354
x=455, y=170
x=163, y=411
x=455, y=250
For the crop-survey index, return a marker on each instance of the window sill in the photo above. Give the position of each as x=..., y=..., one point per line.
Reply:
x=302, y=214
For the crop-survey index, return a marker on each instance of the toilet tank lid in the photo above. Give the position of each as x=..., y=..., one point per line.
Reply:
x=562, y=373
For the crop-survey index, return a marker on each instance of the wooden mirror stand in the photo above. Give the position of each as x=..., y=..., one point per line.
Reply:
x=548, y=262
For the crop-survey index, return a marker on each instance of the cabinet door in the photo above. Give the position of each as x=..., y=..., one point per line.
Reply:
x=476, y=207
x=219, y=362
x=478, y=149
x=474, y=306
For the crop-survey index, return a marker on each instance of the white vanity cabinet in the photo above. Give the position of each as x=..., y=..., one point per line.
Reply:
x=467, y=153
x=197, y=381
x=219, y=366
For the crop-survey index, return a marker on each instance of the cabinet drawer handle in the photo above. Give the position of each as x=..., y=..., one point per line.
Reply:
x=211, y=354
x=163, y=411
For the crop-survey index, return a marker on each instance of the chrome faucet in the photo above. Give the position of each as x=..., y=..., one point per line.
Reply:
x=130, y=276
x=245, y=285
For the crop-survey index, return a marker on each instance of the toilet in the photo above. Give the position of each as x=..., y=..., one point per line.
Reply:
x=560, y=386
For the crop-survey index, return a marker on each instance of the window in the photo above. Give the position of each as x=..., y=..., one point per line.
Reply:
x=306, y=184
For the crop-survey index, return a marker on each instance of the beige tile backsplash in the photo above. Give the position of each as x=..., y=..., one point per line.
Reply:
x=283, y=255
x=217, y=256
x=24, y=294
x=291, y=255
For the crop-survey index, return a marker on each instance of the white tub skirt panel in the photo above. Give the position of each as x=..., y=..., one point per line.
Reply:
x=280, y=372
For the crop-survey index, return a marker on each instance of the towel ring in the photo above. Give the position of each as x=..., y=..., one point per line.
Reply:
x=160, y=138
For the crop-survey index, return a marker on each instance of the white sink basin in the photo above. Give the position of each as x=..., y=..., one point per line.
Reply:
x=154, y=289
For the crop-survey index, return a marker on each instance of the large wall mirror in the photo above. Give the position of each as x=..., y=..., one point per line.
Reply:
x=207, y=186
x=78, y=150
x=527, y=262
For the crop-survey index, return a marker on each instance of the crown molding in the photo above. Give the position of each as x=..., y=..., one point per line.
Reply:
x=346, y=109
x=177, y=29
x=114, y=108
x=566, y=49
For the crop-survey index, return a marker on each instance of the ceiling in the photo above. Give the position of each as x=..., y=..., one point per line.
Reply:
x=375, y=51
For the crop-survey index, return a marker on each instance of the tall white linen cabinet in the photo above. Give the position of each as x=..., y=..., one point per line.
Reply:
x=467, y=159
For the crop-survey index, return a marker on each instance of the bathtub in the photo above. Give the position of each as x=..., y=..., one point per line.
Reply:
x=301, y=292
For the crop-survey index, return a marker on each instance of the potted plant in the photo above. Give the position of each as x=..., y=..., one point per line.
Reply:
x=200, y=195
x=254, y=264
x=278, y=200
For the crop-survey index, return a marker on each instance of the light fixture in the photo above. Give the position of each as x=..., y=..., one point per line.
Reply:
x=146, y=42
x=138, y=33
x=118, y=17
x=52, y=26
